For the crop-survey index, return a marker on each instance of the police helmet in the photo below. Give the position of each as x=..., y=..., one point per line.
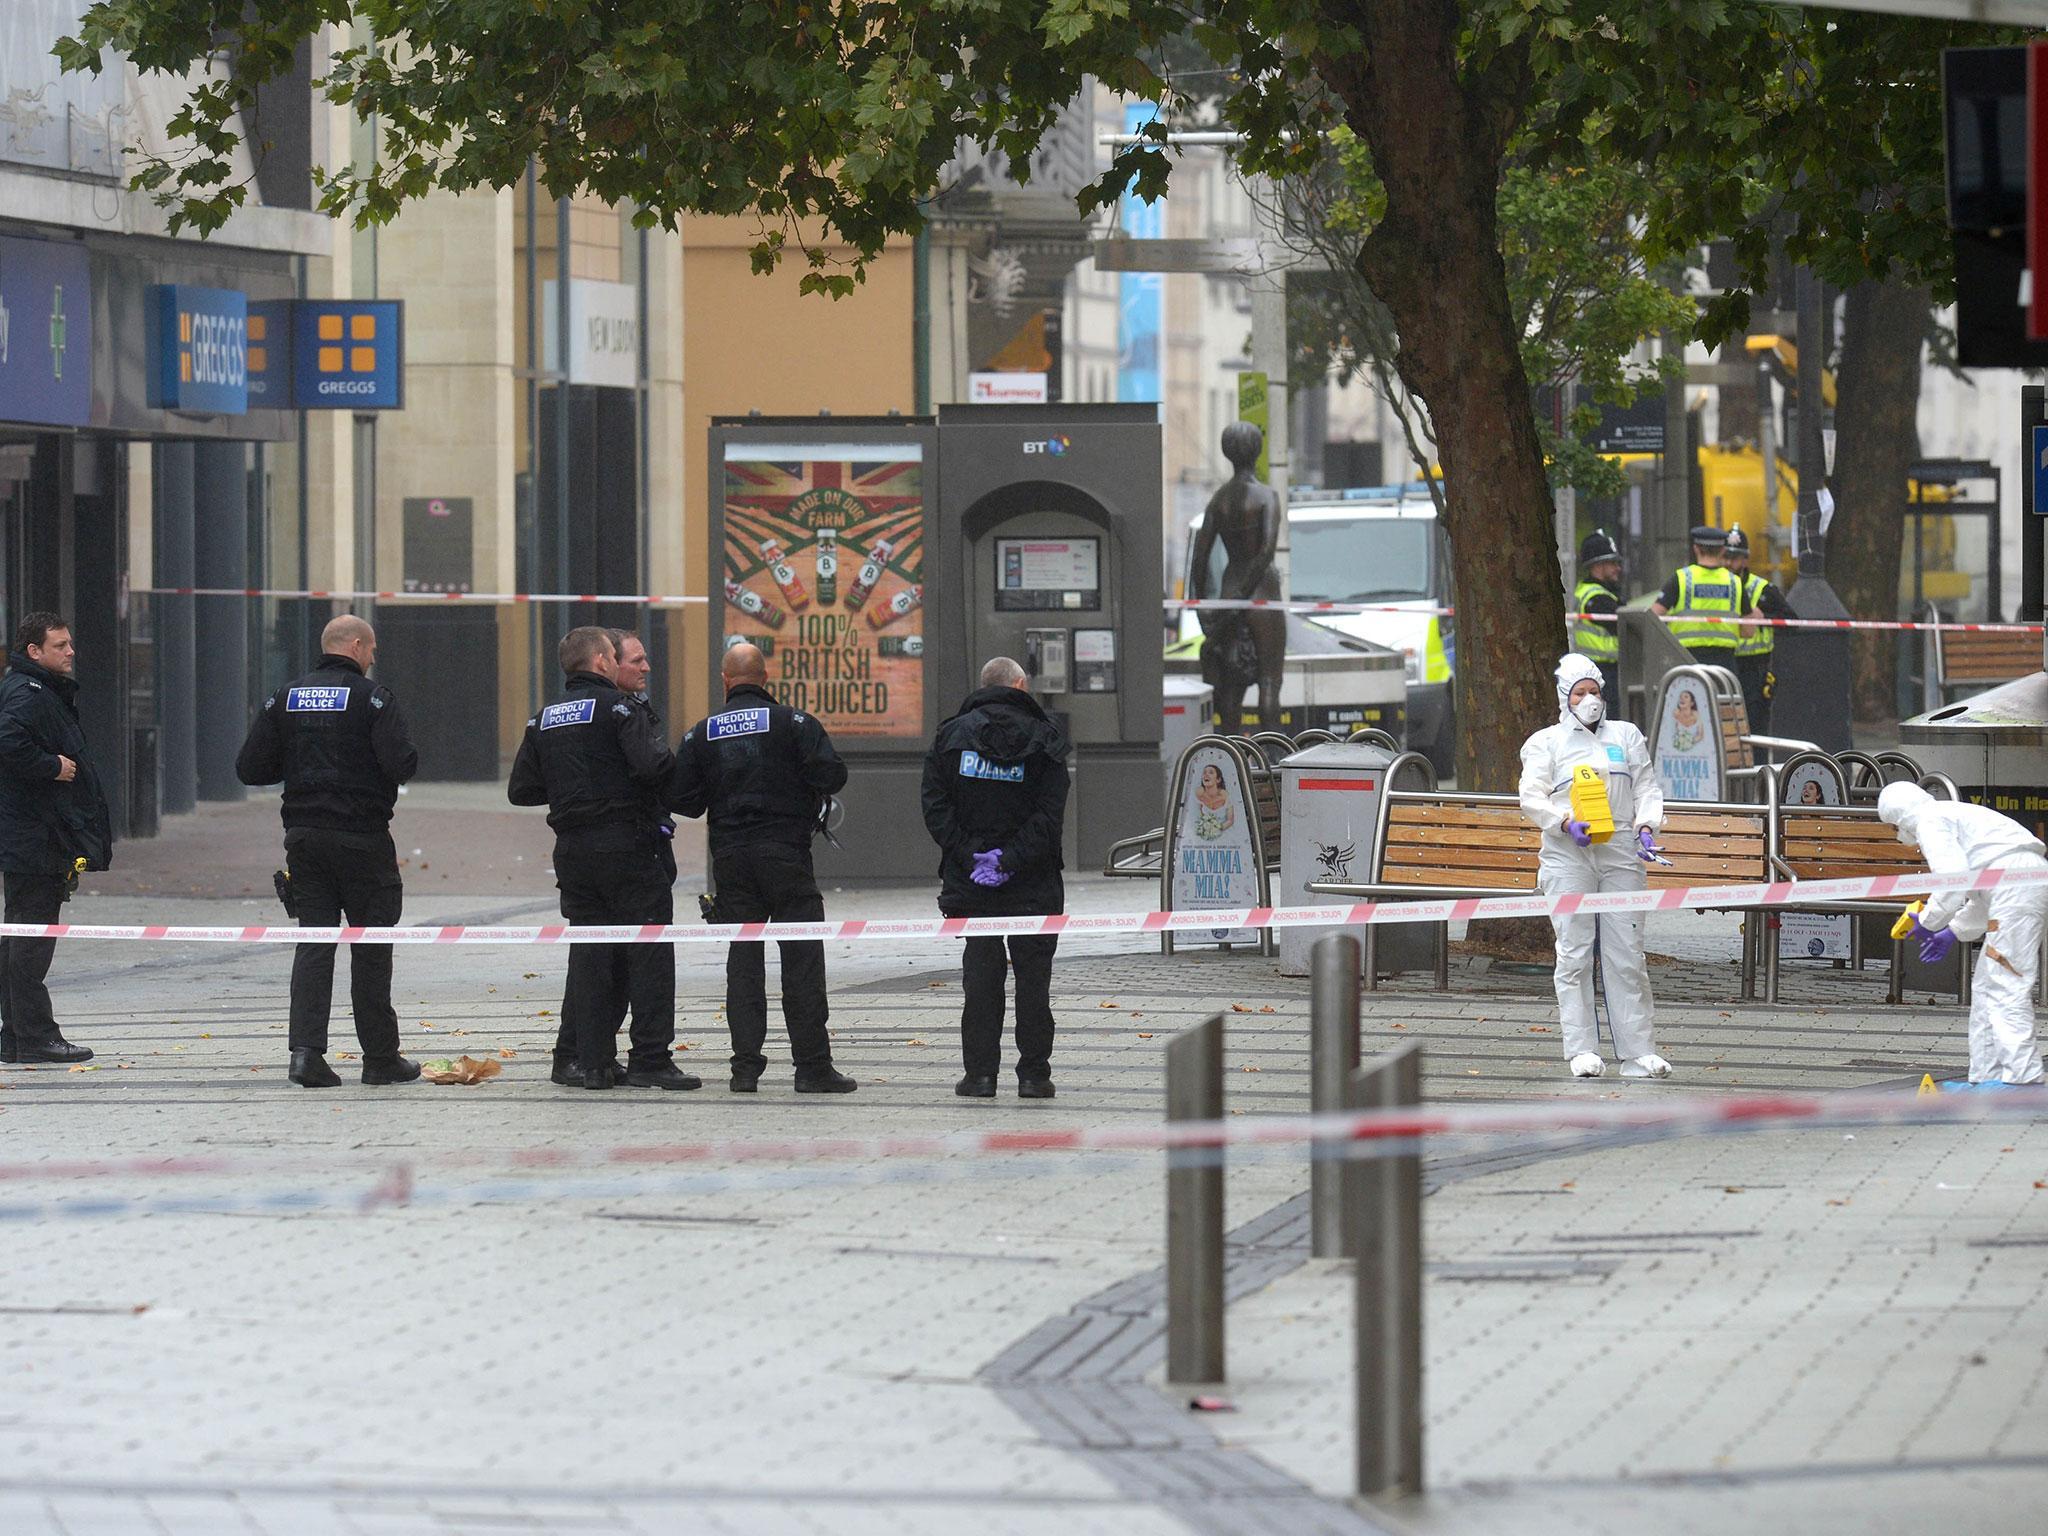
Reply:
x=1737, y=543
x=1597, y=547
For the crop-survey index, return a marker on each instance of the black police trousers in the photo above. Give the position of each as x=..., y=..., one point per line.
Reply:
x=337, y=875
x=1754, y=673
x=615, y=1010
x=25, y=1014
x=772, y=883
x=981, y=1013
x=605, y=882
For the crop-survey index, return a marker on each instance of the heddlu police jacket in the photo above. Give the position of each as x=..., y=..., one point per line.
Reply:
x=759, y=768
x=599, y=765
x=996, y=777
x=339, y=743
x=45, y=824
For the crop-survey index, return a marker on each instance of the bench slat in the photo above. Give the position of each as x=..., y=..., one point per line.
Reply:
x=1487, y=879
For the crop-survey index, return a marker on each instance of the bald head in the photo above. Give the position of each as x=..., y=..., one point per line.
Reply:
x=743, y=663
x=348, y=635
x=1002, y=672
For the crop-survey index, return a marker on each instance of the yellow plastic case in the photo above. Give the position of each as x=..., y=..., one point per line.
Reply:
x=1590, y=803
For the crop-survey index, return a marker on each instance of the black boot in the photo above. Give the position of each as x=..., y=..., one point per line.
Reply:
x=56, y=1048
x=566, y=1073
x=602, y=1077
x=746, y=1079
x=1034, y=1088
x=310, y=1069
x=825, y=1079
x=667, y=1075
x=976, y=1087
x=379, y=1074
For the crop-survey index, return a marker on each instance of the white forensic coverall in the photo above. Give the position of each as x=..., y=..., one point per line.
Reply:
x=1956, y=838
x=1619, y=751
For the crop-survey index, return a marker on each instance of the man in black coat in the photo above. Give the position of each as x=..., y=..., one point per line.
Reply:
x=339, y=744
x=600, y=766
x=761, y=770
x=53, y=821
x=995, y=801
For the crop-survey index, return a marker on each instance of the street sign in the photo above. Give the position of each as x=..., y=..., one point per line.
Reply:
x=2038, y=472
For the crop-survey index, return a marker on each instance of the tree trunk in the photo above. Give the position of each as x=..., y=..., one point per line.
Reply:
x=1877, y=407
x=1438, y=140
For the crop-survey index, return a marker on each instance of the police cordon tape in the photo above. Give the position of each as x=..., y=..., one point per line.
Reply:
x=1427, y=610
x=1171, y=604
x=1330, y=1133
x=1803, y=893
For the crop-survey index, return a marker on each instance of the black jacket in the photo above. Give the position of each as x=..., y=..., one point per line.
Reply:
x=45, y=825
x=996, y=777
x=598, y=762
x=759, y=768
x=338, y=742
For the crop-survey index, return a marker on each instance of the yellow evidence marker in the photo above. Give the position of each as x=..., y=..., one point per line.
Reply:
x=1590, y=803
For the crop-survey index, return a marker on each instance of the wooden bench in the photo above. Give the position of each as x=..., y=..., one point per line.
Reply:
x=1969, y=661
x=1840, y=843
x=1435, y=845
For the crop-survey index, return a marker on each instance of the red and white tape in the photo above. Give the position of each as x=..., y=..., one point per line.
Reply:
x=658, y=600
x=1367, y=1130
x=1283, y=605
x=1171, y=604
x=871, y=930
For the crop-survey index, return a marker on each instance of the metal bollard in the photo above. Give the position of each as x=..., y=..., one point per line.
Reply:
x=1389, y=1290
x=1332, y=1058
x=1194, y=1209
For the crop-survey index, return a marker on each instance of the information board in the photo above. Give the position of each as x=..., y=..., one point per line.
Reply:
x=1043, y=575
x=824, y=570
x=1215, y=859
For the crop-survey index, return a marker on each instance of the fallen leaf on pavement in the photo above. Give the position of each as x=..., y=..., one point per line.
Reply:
x=1269, y=1008
x=1397, y=1026
x=1247, y=1069
x=464, y=1069
x=86, y=1066
x=1144, y=1035
x=914, y=1041
x=529, y=975
x=1731, y=1189
x=1109, y=1005
x=505, y=1055
x=1539, y=1029
x=1240, y=1008
x=1838, y=1202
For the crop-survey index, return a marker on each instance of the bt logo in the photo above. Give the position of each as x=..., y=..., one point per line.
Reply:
x=1052, y=445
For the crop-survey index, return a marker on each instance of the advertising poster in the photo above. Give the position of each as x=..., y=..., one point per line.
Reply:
x=824, y=570
x=1814, y=783
x=1215, y=860
x=1688, y=745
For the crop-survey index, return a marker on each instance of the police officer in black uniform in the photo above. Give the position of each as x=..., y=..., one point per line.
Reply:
x=762, y=770
x=995, y=801
x=338, y=742
x=600, y=767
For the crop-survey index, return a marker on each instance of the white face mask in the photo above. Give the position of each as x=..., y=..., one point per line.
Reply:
x=1590, y=710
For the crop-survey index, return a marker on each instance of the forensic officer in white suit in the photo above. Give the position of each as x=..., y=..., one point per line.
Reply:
x=1571, y=860
x=1956, y=839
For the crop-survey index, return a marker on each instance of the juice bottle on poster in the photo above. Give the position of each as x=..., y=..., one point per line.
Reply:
x=870, y=572
x=896, y=607
x=779, y=567
x=753, y=605
x=900, y=645
x=828, y=567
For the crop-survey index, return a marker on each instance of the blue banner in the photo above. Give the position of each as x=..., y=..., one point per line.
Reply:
x=45, y=333
x=348, y=354
x=270, y=354
x=1140, y=310
x=199, y=349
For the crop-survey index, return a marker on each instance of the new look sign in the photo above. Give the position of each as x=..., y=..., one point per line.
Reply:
x=199, y=350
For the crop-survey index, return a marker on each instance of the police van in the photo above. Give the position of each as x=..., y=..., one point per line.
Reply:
x=1382, y=545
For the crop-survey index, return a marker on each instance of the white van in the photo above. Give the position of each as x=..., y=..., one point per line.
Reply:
x=1381, y=545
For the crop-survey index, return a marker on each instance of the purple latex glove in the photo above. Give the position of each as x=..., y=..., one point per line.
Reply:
x=1580, y=832
x=987, y=868
x=1646, y=845
x=1934, y=944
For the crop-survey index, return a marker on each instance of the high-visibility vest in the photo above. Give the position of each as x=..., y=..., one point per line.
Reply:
x=1763, y=638
x=1592, y=639
x=1707, y=590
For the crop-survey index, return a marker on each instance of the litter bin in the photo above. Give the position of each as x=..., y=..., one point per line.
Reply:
x=1188, y=703
x=1329, y=811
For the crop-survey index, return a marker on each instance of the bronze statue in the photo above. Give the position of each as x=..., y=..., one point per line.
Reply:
x=1241, y=647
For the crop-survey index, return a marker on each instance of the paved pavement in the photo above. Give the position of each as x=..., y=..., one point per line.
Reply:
x=910, y=1349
